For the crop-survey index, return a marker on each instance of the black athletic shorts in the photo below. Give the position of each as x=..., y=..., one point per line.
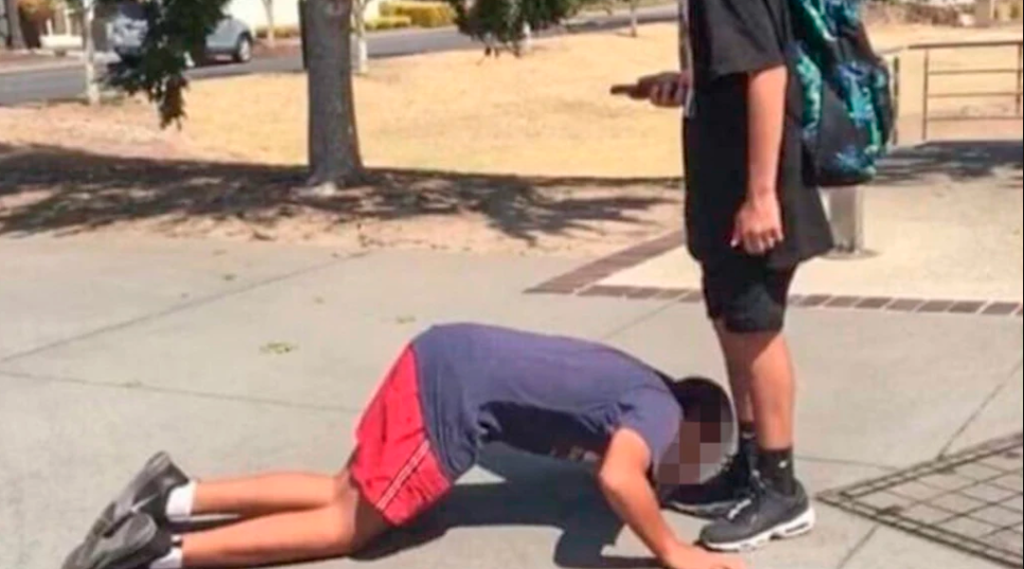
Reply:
x=747, y=295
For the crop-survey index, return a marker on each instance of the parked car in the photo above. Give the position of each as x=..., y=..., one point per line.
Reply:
x=127, y=27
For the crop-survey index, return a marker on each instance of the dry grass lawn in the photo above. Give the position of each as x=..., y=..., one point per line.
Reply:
x=557, y=164
x=548, y=114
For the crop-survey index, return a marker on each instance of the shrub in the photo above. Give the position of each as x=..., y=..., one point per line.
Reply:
x=504, y=22
x=279, y=32
x=388, y=23
x=421, y=14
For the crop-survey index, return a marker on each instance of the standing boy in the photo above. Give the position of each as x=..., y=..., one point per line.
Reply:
x=751, y=220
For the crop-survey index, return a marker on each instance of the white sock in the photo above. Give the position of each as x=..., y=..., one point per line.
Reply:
x=173, y=560
x=179, y=503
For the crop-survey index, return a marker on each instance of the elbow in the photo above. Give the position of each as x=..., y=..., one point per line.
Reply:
x=613, y=481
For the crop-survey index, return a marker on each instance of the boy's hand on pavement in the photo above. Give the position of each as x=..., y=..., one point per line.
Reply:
x=693, y=558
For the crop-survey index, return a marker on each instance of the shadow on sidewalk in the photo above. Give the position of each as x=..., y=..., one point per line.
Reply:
x=959, y=161
x=47, y=189
x=536, y=493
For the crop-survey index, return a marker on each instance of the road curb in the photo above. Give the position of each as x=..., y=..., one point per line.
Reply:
x=30, y=67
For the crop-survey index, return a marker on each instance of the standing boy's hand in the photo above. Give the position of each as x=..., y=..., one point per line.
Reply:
x=758, y=225
x=666, y=89
x=662, y=89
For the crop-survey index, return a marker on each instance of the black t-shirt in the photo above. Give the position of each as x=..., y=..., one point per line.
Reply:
x=728, y=40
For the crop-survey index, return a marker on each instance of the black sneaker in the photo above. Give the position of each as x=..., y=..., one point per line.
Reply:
x=147, y=492
x=135, y=544
x=716, y=497
x=764, y=515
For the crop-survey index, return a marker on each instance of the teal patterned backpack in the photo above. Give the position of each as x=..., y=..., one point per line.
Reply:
x=848, y=107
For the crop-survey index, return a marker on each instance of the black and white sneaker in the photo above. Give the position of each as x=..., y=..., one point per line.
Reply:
x=147, y=492
x=764, y=515
x=135, y=544
x=715, y=498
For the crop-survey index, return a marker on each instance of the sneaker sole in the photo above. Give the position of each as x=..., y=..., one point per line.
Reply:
x=136, y=543
x=802, y=525
x=123, y=506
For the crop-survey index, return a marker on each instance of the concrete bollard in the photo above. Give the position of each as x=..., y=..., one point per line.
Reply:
x=846, y=217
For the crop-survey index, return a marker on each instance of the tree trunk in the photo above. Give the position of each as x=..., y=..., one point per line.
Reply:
x=15, y=38
x=268, y=5
x=362, y=55
x=634, y=28
x=92, y=88
x=334, y=157
x=527, y=45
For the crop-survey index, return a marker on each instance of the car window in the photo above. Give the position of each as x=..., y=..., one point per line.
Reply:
x=132, y=10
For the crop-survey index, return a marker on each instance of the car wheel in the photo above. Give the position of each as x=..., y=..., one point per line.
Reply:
x=243, y=50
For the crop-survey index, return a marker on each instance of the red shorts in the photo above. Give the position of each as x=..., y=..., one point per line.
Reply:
x=394, y=464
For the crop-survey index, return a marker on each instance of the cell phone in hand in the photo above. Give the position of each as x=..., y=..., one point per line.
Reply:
x=632, y=90
x=639, y=90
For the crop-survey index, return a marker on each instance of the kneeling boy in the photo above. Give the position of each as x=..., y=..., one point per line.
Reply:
x=454, y=389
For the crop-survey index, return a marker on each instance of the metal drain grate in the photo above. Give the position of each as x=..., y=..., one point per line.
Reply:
x=970, y=501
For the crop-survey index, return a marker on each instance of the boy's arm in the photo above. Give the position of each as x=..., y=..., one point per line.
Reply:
x=766, y=96
x=625, y=485
x=758, y=227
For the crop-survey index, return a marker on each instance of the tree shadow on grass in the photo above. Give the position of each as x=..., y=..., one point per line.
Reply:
x=49, y=189
x=957, y=160
x=536, y=492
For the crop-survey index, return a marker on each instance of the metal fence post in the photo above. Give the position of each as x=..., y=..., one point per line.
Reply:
x=924, y=95
x=896, y=78
x=303, y=39
x=846, y=217
x=1019, y=86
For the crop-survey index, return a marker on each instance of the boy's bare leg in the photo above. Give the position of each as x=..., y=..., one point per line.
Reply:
x=739, y=380
x=761, y=373
x=265, y=494
x=324, y=528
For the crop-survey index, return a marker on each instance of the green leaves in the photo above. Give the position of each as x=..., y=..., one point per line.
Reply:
x=174, y=28
x=506, y=21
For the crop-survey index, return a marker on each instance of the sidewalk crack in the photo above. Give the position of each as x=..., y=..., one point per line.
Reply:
x=981, y=408
x=175, y=309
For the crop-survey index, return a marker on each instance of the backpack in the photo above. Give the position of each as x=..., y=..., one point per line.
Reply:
x=847, y=103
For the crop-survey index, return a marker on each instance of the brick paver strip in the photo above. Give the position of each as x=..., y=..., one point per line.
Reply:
x=905, y=304
x=842, y=302
x=584, y=282
x=643, y=292
x=692, y=296
x=966, y=307
x=874, y=303
x=603, y=268
x=936, y=306
x=671, y=293
x=814, y=300
x=1000, y=309
x=604, y=290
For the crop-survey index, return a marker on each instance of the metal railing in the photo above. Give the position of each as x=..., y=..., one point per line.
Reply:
x=846, y=205
x=930, y=72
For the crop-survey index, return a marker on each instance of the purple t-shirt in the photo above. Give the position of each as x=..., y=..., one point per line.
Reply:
x=543, y=394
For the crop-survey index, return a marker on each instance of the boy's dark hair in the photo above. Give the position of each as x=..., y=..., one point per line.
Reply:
x=704, y=401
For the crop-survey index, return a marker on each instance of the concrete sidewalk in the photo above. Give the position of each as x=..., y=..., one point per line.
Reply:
x=238, y=358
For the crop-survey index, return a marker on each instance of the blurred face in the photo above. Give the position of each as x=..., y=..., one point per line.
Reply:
x=697, y=454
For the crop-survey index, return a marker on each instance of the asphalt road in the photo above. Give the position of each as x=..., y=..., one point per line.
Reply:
x=66, y=82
